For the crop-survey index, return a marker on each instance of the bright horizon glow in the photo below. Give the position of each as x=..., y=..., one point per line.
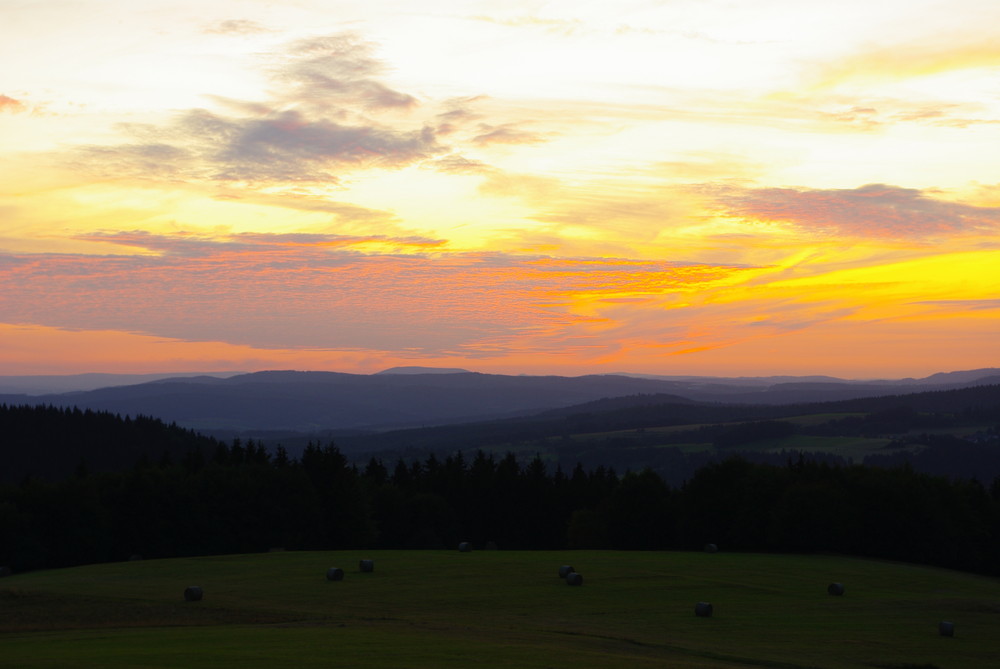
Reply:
x=694, y=187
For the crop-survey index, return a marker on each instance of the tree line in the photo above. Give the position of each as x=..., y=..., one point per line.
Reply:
x=51, y=443
x=242, y=497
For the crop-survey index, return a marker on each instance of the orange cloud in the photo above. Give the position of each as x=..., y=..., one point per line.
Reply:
x=877, y=348
x=34, y=349
x=259, y=303
x=314, y=291
x=297, y=244
x=9, y=104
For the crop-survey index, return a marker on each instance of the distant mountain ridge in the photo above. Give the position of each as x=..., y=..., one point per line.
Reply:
x=314, y=402
x=42, y=384
x=423, y=370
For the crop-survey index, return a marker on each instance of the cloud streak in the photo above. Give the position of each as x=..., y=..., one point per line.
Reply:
x=964, y=305
x=875, y=210
x=282, y=148
x=236, y=27
x=11, y=105
x=325, y=291
x=508, y=133
x=919, y=58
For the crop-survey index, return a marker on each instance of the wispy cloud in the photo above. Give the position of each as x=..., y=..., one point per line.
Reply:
x=236, y=27
x=327, y=291
x=458, y=164
x=556, y=26
x=337, y=70
x=316, y=126
x=300, y=245
x=11, y=105
x=964, y=305
x=508, y=133
x=875, y=210
x=284, y=147
x=933, y=55
x=867, y=113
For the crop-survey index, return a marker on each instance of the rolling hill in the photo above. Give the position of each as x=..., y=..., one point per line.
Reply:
x=316, y=402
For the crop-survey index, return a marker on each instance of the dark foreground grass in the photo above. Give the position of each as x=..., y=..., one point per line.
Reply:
x=499, y=608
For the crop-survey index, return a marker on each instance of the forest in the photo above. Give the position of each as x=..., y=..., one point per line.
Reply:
x=201, y=496
x=954, y=433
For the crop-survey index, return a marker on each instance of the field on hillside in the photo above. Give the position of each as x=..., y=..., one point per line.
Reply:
x=499, y=608
x=845, y=447
x=647, y=438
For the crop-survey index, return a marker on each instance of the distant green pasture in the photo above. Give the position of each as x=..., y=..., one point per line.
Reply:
x=820, y=418
x=855, y=448
x=847, y=447
x=499, y=609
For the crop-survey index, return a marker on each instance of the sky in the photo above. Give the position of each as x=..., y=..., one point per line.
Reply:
x=677, y=187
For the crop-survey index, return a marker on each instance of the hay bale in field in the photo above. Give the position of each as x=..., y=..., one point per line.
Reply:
x=335, y=574
x=565, y=570
x=465, y=547
x=946, y=628
x=835, y=589
x=367, y=565
x=703, y=610
x=711, y=548
x=193, y=593
x=574, y=578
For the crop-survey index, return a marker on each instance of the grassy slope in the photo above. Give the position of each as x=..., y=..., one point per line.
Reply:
x=443, y=609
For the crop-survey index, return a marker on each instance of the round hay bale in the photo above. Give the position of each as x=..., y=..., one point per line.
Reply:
x=703, y=610
x=565, y=570
x=193, y=593
x=711, y=548
x=335, y=574
x=367, y=565
x=574, y=578
x=5, y=571
x=946, y=628
x=465, y=547
x=835, y=589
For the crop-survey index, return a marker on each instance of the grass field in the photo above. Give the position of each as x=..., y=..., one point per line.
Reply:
x=845, y=446
x=499, y=608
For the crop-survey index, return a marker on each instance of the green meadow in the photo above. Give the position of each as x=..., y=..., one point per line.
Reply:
x=499, y=608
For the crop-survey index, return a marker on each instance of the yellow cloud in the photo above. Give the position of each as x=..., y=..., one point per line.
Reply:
x=940, y=286
x=907, y=61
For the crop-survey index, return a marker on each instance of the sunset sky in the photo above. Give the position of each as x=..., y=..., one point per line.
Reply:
x=680, y=187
